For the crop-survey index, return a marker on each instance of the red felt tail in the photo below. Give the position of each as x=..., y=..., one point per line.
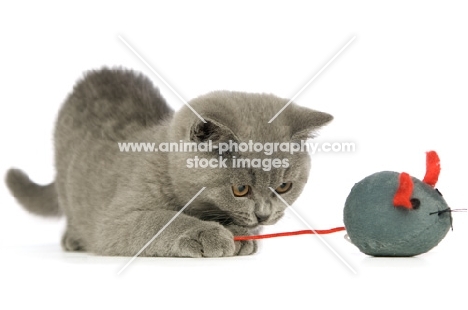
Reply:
x=291, y=233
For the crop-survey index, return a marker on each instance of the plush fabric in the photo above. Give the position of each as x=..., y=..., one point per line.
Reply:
x=403, y=194
x=379, y=228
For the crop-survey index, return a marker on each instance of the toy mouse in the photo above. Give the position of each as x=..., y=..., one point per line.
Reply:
x=394, y=214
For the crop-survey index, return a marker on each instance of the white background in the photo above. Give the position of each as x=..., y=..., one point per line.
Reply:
x=397, y=91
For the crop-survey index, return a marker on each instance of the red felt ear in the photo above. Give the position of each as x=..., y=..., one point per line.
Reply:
x=432, y=168
x=403, y=194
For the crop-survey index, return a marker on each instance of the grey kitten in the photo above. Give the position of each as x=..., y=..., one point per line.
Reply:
x=115, y=202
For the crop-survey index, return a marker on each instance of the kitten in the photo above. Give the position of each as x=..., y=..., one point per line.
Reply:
x=115, y=202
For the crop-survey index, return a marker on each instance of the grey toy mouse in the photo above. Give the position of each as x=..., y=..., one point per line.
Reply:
x=394, y=214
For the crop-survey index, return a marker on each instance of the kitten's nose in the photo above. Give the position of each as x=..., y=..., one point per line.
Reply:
x=261, y=217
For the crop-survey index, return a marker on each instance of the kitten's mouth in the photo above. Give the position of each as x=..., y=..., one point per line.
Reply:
x=212, y=213
x=215, y=214
x=271, y=221
x=252, y=226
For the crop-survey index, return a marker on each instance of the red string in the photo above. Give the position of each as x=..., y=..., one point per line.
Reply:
x=291, y=233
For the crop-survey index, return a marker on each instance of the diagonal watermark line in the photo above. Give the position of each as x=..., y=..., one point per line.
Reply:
x=318, y=236
x=160, y=77
x=160, y=231
x=312, y=79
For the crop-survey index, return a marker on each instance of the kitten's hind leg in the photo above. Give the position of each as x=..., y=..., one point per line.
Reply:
x=70, y=242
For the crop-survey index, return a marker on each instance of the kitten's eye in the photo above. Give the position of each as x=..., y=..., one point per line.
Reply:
x=283, y=188
x=240, y=190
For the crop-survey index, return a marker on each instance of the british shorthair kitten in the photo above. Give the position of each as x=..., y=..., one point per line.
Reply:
x=115, y=201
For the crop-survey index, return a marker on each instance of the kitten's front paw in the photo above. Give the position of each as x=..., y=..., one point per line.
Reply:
x=211, y=240
x=246, y=247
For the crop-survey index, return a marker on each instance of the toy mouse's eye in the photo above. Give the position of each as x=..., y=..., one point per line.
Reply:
x=283, y=188
x=415, y=203
x=439, y=192
x=240, y=190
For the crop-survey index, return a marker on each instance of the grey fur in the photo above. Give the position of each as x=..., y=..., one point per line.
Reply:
x=40, y=200
x=115, y=202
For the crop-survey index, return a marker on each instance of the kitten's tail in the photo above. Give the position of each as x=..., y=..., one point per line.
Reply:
x=37, y=199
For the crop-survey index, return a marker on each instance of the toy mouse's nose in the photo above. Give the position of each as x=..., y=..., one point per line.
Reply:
x=403, y=194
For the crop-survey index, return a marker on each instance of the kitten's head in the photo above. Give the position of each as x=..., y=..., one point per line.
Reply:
x=242, y=194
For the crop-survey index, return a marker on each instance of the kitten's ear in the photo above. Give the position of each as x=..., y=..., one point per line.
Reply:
x=305, y=122
x=211, y=130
